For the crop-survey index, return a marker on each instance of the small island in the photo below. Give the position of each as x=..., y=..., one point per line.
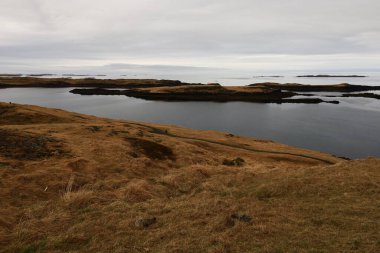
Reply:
x=257, y=93
x=331, y=76
x=174, y=90
x=210, y=92
x=295, y=87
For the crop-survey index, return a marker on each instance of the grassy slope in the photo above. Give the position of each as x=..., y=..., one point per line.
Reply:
x=76, y=183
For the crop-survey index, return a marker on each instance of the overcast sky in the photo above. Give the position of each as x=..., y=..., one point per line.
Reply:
x=190, y=35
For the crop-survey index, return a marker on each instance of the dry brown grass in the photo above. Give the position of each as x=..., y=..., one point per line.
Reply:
x=92, y=200
x=206, y=88
x=84, y=82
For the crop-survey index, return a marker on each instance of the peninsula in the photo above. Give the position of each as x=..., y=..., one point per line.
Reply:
x=24, y=82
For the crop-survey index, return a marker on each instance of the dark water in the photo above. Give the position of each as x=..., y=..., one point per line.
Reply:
x=349, y=129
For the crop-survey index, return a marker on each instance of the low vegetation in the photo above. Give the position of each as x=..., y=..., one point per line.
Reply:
x=128, y=187
x=51, y=82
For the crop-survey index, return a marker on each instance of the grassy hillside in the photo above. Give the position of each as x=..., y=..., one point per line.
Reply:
x=77, y=183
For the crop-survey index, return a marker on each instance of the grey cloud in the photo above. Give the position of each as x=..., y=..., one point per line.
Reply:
x=188, y=33
x=124, y=66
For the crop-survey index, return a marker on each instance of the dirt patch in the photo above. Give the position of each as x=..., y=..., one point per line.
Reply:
x=26, y=146
x=151, y=149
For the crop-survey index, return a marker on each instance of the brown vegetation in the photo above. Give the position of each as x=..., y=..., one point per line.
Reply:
x=209, y=92
x=131, y=187
x=15, y=81
x=151, y=149
x=20, y=145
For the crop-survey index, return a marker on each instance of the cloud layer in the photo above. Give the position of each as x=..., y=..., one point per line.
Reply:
x=272, y=35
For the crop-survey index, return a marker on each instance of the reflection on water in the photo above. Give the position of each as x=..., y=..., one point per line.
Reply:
x=349, y=129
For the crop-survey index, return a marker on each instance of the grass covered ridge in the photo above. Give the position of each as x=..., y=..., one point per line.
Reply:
x=97, y=185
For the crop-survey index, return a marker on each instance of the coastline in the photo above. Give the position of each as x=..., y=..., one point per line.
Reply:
x=174, y=90
x=77, y=176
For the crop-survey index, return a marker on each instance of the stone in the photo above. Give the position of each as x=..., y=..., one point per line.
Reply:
x=145, y=222
x=241, y=217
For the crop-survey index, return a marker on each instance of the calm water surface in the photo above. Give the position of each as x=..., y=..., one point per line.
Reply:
x=349, y=129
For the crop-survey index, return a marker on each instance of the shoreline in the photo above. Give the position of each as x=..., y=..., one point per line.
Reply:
x=71, y=174
x=174, y=90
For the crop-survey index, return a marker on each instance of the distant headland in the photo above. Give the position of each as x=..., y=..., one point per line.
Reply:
x=331, y=76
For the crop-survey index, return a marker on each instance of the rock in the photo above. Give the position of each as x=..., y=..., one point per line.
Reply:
x=241, y=217
x=235, y=162
x=335, y=102
x=144, y=222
